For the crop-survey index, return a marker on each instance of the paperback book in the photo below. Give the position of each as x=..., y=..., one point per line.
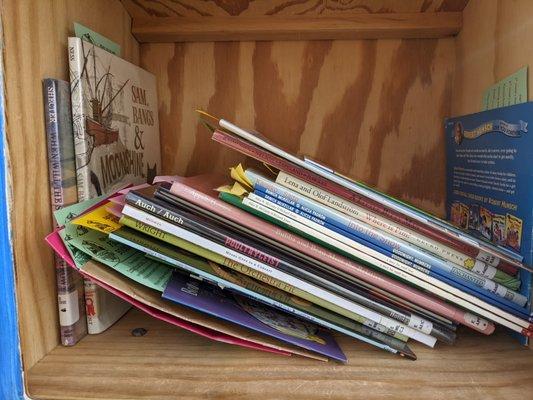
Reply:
x=252, y=315
x=489, y=174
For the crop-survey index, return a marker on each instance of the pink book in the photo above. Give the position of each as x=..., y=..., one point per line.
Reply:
x=55, y=242
x=198, y=190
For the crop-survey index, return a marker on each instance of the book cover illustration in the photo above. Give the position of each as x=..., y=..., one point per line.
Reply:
x=463, y=216
x=248, y=313
x=116, y=128
x=489, y=163
x=485, y=226
x=455, y=214
x=498, y=229
x=513, y=231
x=62, y=171
x=473, y=217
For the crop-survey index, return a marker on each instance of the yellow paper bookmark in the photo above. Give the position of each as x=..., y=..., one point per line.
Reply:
x=239, y=175
x=99, y=220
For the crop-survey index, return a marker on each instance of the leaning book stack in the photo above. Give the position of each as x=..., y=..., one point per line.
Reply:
x=285, y=256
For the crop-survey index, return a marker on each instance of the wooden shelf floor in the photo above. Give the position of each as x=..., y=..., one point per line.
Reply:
x=170, y=363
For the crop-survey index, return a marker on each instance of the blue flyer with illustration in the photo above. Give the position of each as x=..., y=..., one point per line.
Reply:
x=490, y=178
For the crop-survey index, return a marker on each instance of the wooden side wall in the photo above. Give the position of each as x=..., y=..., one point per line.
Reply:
x=496, y=40
x=35, y=46
x=373, y=109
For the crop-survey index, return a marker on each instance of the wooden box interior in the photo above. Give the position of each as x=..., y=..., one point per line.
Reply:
x=372, y=108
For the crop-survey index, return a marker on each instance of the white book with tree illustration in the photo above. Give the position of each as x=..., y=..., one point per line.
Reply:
x=114, y=112
x=116, y=141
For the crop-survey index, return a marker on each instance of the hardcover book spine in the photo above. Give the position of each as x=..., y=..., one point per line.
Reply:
x=364, y=235
x=285, y=166
x=465, y=285
x=322, y=205
x=248, y=218
x=405, y=273
x=331, y=299
x=76, y=65
x=70, y=292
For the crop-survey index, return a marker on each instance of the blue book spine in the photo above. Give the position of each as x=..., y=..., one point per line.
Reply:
x=443, y=275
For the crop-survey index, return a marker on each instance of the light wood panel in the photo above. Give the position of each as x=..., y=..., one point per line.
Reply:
x=373, y=109
x=250, y=8
x=35, y=46
x=168, y=363
x=343, y=26
x=495, y=42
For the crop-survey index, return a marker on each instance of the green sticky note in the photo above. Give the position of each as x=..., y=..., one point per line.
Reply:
x=507, y=92
x=95, y=38
x=123, y=259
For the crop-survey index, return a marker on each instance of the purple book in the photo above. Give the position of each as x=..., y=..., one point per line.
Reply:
x=248, y=313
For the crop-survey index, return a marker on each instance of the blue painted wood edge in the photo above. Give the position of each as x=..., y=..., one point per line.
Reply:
x=10, y=366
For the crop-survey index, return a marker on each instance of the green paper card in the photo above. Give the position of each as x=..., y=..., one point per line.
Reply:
x=90, y=36
x=126, y=260
x=507, y=92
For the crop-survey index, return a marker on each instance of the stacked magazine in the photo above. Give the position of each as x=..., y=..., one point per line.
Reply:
x=289, y=254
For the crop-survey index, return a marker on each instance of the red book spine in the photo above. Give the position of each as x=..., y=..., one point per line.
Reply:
x=275, y=161
x=311, y=249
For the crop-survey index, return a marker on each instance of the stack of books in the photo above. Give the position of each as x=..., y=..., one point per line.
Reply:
x=291, y=251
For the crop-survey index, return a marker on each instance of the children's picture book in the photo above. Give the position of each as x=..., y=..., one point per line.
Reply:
x=498, y=229
x=513, y=231
x=251, y=314
x=455, y=214
x=485, y=225
x=463, y=216
x=489, y=163
x=473, y=217
x=116, y=127
x=116, y=131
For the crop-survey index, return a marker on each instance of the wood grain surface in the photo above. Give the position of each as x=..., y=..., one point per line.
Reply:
x=250, y=8
x=341, y=26
x=168, y=363
x=495, y=42
x=35, y=46
x=373, y=109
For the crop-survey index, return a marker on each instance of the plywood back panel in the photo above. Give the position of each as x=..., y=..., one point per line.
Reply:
x=250, y=8
x=495, y=41
x=35, y=46
x=373, y=109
